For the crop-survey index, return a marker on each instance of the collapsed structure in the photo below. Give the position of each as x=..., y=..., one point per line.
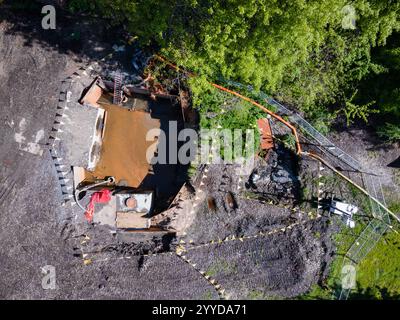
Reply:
x=114, y=184
x=107, y=148
x=103, y=141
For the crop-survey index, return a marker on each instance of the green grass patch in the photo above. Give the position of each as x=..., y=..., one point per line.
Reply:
x=378, y=275
x=256, y=295
x=317, y=293
x=395, y=207
x=208, y=295
x=221, y=266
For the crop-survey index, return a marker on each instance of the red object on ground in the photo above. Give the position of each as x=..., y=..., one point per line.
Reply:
x=267, y=141
x=103, y=196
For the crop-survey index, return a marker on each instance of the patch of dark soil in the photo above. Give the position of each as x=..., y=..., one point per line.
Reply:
x=245, y=216
x=282, y=265
x=155, y=245
x=81, y=38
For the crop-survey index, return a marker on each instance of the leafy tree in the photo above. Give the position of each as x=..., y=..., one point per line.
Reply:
x=383, y=86
x=354, y=111
x=303, y=52
x=390, y=131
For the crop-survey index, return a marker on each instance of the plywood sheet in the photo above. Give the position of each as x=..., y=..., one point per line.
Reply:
x=132, y=220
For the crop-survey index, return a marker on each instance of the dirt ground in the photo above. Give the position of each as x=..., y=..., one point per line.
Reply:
x=32, y=65
x=374, y=155
x=229, y=243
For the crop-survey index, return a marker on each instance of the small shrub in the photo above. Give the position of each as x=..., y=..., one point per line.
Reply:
x=390, y=131
x=353, y=111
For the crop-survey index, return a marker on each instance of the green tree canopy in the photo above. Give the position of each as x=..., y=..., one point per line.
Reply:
x=304, y=52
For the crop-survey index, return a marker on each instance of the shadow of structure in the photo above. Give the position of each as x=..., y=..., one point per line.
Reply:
x=395, y=163
x=373, y=293
x=167, y=177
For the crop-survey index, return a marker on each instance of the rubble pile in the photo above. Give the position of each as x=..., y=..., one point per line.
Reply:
x=275, y=178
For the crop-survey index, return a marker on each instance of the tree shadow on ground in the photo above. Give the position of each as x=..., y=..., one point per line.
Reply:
x=323, y=292
x=373, y=293
x=81, y=37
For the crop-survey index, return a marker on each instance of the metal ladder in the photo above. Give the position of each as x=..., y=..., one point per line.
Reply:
x=117, y=99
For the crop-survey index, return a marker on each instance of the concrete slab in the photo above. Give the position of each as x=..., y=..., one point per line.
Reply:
x=107, y=214
x=132, y=220
x=79, y=135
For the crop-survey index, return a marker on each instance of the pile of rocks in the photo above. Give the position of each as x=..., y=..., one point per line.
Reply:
x=275, y=177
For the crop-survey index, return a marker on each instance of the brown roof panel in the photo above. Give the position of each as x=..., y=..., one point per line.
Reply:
x=124, y=145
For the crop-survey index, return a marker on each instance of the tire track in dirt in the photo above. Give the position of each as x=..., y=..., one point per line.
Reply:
x=9, y=182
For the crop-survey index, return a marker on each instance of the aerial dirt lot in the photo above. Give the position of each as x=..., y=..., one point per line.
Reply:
x=33, y=63
x=31, y=69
